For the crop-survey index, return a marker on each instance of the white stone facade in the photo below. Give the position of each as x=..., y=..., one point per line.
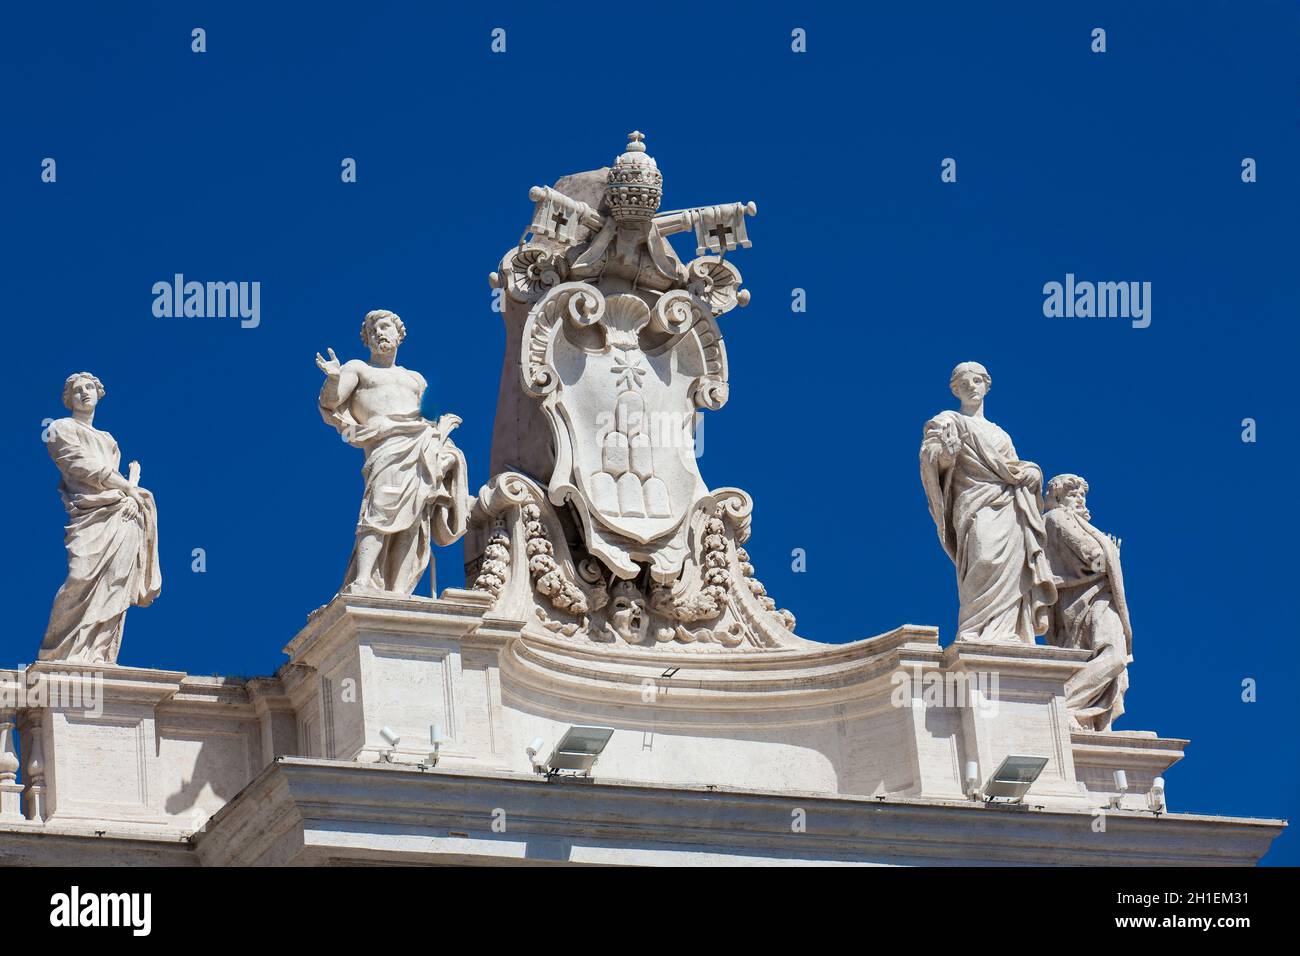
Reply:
x=705, y=766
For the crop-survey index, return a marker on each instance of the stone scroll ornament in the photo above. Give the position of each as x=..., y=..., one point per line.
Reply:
x=111, y=535
x=615, y=350
x=415, y=476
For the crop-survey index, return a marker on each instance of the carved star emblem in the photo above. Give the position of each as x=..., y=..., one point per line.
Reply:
x=629, y=367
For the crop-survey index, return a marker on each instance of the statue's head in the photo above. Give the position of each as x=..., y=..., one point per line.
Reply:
x=634, y=186
x=382, y=331
x=970, y=381
x=627, y=613
x=1069, y=492
x=82, y=392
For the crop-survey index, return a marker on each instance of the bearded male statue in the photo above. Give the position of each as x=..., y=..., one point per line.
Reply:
x=415, y=477
x=1090, y=612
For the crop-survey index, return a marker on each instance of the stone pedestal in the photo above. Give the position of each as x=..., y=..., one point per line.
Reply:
x=978, y=703
x=1017, y=707
x=11, y=801
x=96, y=731
x=366, y=663
x=1139, y=753
x=122, y=747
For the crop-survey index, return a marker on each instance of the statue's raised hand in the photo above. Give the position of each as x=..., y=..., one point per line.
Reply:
x=331, y=366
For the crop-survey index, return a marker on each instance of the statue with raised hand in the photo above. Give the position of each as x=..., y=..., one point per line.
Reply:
x=415, y=477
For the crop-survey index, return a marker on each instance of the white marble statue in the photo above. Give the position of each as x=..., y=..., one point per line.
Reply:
x=415, y=477
x=987, y=507
x=111, y=535
x=1090, y=610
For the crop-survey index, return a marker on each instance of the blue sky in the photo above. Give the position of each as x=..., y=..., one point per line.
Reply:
x=1122, y=166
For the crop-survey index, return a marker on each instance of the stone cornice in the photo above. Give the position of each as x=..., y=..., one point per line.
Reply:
x=123, y=685
x=332, y=810
x=457, y=613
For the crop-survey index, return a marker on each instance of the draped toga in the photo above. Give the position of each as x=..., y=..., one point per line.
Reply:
x=991, y=525
x=410, y=498
x=112, y=561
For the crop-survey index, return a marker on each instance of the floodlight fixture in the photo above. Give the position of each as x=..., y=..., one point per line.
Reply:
x=1013, y=778
x=579, y=749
